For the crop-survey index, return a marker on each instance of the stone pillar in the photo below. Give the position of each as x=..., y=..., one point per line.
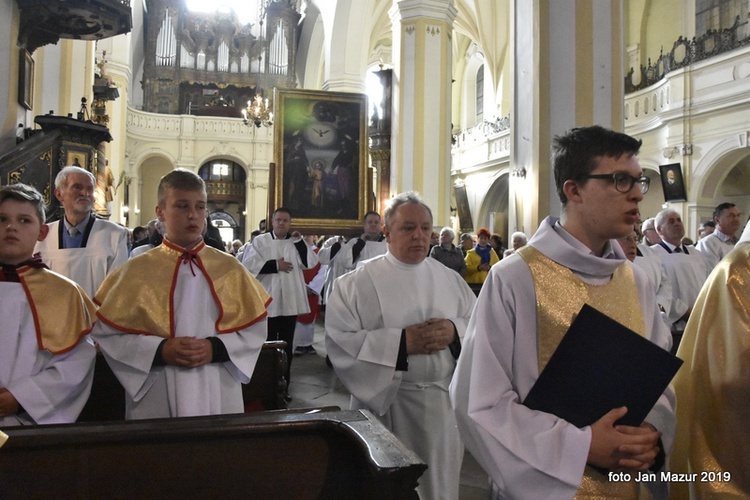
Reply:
x=568, y=72
x=421, y=121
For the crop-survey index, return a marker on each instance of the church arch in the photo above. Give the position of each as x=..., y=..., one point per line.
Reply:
x=226, y=186
x=493, y=212
x=723, y=175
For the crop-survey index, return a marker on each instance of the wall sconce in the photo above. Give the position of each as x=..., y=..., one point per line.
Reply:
x=670, y=152
x=683, y=149
x=518, y=172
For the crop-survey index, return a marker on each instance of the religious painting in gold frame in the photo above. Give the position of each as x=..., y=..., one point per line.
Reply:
x=321, y=163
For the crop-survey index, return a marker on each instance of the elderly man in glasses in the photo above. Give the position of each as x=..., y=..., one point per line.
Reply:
x=651, y=264
x=527, y=304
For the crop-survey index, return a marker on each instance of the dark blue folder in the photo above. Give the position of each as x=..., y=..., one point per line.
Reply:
x=601, y=365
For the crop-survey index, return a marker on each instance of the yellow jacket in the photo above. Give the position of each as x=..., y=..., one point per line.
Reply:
x=473, y=260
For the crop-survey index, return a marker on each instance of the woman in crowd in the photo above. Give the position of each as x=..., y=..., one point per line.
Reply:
x=447, y=253
x=496, y=242
x=481, y=258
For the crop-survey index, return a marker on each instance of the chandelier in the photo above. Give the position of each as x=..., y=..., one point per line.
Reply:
x=258, y=113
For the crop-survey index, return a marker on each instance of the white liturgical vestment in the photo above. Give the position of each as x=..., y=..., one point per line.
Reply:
x=288, y=290
x=716, y=246
x=365, y=315
x=687, y=273
x=105, y=250
x=153, y=391
x=532, y=454
x=51, y=388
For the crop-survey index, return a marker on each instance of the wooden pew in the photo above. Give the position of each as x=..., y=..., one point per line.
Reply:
x=283, y=454
x=268, y=384
x=264, y=392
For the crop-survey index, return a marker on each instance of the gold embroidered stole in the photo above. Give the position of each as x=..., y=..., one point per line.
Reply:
x=138, y=297
x=62, y=311
x=559, y=297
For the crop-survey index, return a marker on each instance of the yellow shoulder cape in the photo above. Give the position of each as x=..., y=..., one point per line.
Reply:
x=138, y=297
x=62, y=311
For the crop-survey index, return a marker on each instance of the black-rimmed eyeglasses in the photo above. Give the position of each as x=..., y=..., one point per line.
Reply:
x=624, y=182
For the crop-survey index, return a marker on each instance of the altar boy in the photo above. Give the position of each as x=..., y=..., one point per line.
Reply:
x=181, y=325
x=46, y=364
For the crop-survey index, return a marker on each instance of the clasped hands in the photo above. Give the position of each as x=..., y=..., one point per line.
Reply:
x=429, y=337
x=622, y=447
x=187, y=352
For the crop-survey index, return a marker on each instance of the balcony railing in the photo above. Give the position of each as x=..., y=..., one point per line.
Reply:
x=688, y=51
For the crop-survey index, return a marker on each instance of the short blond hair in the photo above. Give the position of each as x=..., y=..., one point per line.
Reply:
x=179, y=178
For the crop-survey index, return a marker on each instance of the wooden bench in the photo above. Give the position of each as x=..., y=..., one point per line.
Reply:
x=268, y=384
x=264, y=392
x=278, y=454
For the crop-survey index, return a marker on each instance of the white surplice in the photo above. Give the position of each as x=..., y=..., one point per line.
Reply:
x=364, y=317
x=105, y=250
x=288, y=290
x=651, y=264
x=715, y=246
x=171, y=391
x=334, y=263
x=531, y=454
x=52, y=389
x=370, y=250
x=687, y=272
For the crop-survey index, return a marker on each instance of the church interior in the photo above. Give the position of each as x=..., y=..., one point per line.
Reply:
x=475, y=92
x=458, y=100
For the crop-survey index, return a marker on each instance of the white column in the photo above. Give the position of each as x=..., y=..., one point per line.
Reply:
x=421, y=122
x=568, y=72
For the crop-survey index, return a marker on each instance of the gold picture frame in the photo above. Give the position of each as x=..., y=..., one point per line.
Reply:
x=464, y=211
x=25, y=79
x=321, y=169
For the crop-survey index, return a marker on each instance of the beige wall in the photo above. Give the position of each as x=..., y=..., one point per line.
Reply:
x=151, y=171
x=663, y=23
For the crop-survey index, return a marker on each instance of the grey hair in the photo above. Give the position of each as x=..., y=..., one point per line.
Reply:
x=661, y=218
x=62, y=176
x=649, y=223
x=403, y=199
x=519, y=234
x=449, y=231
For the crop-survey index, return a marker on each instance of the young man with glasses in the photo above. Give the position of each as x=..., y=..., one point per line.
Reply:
x=527, y=304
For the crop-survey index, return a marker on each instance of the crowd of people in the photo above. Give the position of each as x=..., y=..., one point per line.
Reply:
x=441, y=363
